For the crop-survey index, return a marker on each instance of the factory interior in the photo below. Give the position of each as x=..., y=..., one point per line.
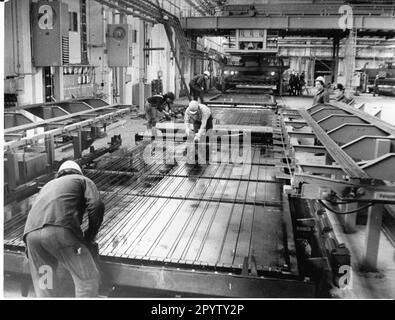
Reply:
x=240, y=149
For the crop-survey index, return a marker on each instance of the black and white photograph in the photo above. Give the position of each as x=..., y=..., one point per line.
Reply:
x=211, y=152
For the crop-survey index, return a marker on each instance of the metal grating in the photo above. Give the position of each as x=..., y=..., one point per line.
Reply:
x=65, y=50
x=212, y=216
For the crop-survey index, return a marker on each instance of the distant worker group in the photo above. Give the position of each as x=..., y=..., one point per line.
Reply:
x=297, y=84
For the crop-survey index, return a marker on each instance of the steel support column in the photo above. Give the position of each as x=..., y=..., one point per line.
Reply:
x=77, y=144
x=50, y=149
x=350, y=52
x=12, y=169
x=141, y=66
x=122, y=70
x=350, y=220
x=373, y=228
x=335, y=58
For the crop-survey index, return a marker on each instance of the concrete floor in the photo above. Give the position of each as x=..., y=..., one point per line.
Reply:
x=364, y=285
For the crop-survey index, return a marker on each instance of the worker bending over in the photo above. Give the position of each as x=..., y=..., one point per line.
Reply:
x=198, y=84
x=156, y=104
x=54, y=237
x=202, y=120
x=200, y=116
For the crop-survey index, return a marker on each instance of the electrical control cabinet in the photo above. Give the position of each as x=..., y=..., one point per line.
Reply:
x=119, y=45
x=50, y=30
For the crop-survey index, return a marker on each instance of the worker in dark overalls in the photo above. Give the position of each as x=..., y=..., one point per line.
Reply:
x=54, y=237
x=158, y=104
x=199, y=115
x=198, y=85
x=322, y=95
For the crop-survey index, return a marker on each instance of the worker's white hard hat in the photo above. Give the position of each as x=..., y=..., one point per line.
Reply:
x=193, y=107
x=320, y=79
x=207, y=73
x=70, y=165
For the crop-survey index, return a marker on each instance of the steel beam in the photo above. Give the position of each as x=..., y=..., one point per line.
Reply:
x=342, y=158
x=322, y=169
x=335, y=120
x=296, y=134
x=351, y=131
x=297, y=123
x=66, y=129
x=364, y=148
x=367, y=117
x=308, y=148
x=57, y=119
x=174, y=127
x=289, y=23
x=382, y=168
x=325, y=112
x=317, y=187
x=89, y=100
x=188, y=282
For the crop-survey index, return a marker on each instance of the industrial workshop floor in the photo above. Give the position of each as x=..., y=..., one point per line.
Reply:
x=156, y=236
x=213, y=216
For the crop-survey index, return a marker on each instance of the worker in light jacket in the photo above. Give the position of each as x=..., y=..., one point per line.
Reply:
x=53, y=234
x=158, y=104
x=322, y=95
x=199, y=115
x=198, y=85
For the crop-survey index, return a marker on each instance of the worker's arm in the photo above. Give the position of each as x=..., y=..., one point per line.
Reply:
x=205, y=115
x=94, y=209
x=201, y=82
x=186, y=121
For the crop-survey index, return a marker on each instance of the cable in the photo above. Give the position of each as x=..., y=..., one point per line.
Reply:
x=342, y=202
x=345, y=212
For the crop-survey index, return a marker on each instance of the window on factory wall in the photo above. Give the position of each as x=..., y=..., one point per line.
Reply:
x=73, y=21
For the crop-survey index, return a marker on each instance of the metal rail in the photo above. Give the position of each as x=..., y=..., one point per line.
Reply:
x=343, y=159
x=66, y=129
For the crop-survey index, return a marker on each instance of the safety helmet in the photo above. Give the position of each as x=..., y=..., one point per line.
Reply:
x=170, y=95
x=207, y=73
x=193, y=107
x=321, y=79
x=70, y=165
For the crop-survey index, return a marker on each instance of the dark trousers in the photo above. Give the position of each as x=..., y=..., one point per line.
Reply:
x=198, y=124
x=196, y=92
x=52, y=247
x=202, y=150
